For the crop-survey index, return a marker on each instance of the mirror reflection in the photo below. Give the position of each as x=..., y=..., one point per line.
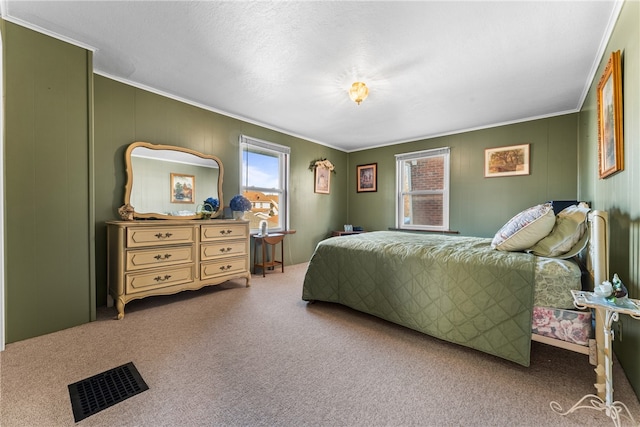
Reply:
x=172, y=182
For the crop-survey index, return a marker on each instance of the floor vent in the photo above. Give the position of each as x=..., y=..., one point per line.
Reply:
x=101, y=391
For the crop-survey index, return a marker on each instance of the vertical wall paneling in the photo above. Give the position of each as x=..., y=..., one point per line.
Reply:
x=618, y=194
x=633, y=284
x=479, y=206
x=2, y=199
x=125, y=114
x=48, y=246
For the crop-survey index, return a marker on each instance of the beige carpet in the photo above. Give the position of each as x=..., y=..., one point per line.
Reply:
x=260, y=356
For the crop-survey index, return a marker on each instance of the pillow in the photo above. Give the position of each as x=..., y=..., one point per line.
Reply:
x=525, y=229
x=570, y=227
x=577, y=248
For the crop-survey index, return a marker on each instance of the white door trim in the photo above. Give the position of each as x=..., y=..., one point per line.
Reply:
x=2, y=203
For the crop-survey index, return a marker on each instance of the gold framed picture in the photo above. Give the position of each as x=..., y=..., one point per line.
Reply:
x=183, y=188
x=610, y=141
x=506, y=161
x=367, y=177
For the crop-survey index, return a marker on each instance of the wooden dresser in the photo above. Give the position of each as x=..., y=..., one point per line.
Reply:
x=160, y=257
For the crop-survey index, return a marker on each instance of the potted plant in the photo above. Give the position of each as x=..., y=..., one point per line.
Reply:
x=239, y=205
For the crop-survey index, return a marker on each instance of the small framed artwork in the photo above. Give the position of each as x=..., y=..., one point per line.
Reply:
x=367, y=177
x=322, y=183
x=506, y=161
x=183, y=188
x=610, y=144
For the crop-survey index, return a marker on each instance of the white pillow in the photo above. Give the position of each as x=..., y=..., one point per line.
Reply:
x=570, y=227
x=525, y=229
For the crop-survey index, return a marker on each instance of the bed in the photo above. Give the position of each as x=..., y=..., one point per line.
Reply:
x=462, y=290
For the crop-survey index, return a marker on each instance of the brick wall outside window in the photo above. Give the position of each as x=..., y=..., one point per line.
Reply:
x=427, y=174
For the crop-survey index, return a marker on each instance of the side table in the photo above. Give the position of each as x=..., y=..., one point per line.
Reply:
x=614, y=410
x=345, y=233
x=269, y=239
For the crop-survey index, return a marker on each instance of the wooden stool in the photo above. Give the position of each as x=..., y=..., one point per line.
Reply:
x=269, y=239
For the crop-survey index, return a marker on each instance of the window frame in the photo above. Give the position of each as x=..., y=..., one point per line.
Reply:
x=444, y=152
x=283, y=153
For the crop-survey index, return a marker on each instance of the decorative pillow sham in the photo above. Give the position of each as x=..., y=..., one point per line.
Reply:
x=525, y=229
x=569, y=229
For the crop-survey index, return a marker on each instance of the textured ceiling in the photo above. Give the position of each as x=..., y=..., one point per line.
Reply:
x=433, y=67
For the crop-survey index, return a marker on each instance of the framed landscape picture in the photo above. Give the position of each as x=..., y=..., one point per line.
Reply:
x=610, y=144
x=183, y=188
x=367, y=177
x=506, y=161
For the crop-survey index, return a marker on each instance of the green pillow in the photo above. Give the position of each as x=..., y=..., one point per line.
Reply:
x=569, y=230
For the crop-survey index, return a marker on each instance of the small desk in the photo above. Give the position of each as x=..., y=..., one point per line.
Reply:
x=269, y=239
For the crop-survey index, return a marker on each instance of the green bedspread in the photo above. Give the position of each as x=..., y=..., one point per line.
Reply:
x=454, y=288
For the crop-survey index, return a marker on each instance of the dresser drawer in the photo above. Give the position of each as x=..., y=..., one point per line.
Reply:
x=152, y=257
x=161, y=256
x=155, y=236
x=223, y=267
x=159, y=278
x=223, y=249
x=225, y=231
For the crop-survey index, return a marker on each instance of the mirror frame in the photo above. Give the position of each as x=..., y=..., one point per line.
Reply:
x=129, y=211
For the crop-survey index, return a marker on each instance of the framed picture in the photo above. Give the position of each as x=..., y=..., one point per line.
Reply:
x=506, y=161
x=322, y=182
x=183, y=188
x=367, y=177
x=610, y=146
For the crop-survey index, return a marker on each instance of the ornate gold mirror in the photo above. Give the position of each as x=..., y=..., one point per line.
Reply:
x=168, y=182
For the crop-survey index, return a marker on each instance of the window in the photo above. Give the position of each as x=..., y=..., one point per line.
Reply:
x=422, y=187
x=264, y=181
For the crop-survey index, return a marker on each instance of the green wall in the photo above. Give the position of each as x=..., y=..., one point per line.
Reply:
x=478, y=206
x=49, y=283
x=59, y=117
x=125, y=114
x=58, y=197
x=618, y=194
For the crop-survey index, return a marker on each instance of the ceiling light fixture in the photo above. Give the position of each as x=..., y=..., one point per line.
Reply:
x=358, y=92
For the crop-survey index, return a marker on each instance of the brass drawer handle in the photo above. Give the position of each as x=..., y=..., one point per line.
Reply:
x=159, y=257
x=223, y=250
x=162, y=279
x=224, y=268
x=163, y=236
x=223, y=232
